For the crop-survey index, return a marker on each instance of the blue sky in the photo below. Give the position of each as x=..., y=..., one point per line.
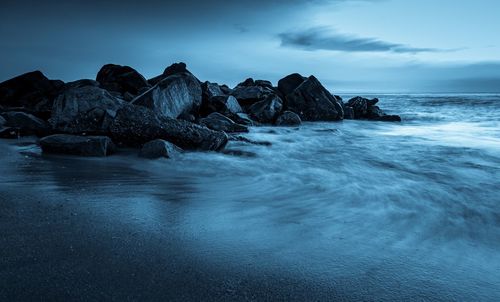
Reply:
x=351, y=46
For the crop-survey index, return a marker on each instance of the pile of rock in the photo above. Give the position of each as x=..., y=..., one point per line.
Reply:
x=163, y=115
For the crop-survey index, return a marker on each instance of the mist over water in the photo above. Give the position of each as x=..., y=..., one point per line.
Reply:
x=375, y=211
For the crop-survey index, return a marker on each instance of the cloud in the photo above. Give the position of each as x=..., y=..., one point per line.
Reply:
x=321, y=38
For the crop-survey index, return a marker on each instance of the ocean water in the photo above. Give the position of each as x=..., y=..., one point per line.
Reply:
x=358, y=210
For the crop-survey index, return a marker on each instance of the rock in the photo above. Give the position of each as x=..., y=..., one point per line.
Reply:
x=227, y=105
x=288, y=118
x=27, y=124
x=246, y=83
x=288, y=84
x=77, y=145
x=364, y=108
x=249, y=95
x=225, y=89
x=123, y=79
x=389, y=118
x=137, y=125
x=348, y=113
x=219, y=122
x=2, y=121
x=312, y=102
x=175, y=95
x=243, y=119
x=240, y=138
x=264, y=83
x=81, y=83
x=266, y=111
x=10, y=132
x=236, y=152
x=159, y=148
x=84, y=109
x=210, y=90
x=170, y=70
x=31, y=91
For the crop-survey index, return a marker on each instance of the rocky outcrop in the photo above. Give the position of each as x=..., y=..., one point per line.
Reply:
x=210, y=90
x=32, y=92
x=173, y=96
x=159, y=148
x=137, y=125
x=226, y=105
x=175, y=68
x=289, y=119
x=26, y=124
x=288, y=84
x=219, y=122
x=249, y=95
x=267, y=110
x=364, y=108
x=310, y=100
x=77, y=145
x=122, y=79
x=84, y=109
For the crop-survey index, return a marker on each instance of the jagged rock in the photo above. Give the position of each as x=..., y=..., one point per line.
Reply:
x=348, y=113
x=240, y=138
x=288, y=84
x=227, y=105
x=32, y=91
x=175, y=95
x=312, y=102
x=246, y=83
x=288, y=118
x=389, y=118
x=210, y=90
x=219, y=122
x=364, y=108
x=84, y=109
x=243, y=119
x=123, y=79
x=159, y=148
x=225, y=89
x=77, y=145
x=170, y=70
x=249, y=95
x=26, y=124
x=266, y=111
x=136, y=125
x=236, y=152
x=81, y=83
x=264, y=83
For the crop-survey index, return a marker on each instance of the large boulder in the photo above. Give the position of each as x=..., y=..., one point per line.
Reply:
x=175, y=68
x=312, y=102
x=225, y=104
x=122, y=79
x=219, y=122
x=267, y=110
x=364, y=108
x=175, y=95
x=84, y=109
x=77, y=145
x=288, y=84
x=26, y=124
x=210, y=90
x=136, y=125
x=289, y=119
x=159, y=148
x=31, y=91
x=249, y=95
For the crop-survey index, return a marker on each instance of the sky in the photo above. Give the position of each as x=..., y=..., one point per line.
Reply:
x=350, y=45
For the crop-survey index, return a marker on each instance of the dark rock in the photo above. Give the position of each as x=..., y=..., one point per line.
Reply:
x=10, y=132
x=288, y=118
x=264, y=83
x=389, y=118
x=137, y=125
x=339, y=98
x=31, y=91
x=219, y=122
x=348, y=113
x=246, y=83
x=77, y=145
x=288, y=84
x=243, y=119
x=365, y=109
x=170, y=70
x=227, y=105
x=266, y=111
x=225, y=89
x=84, y=109
x=2, y=121
x=242, y=153
x=240, y=138
x=187, y=117
x=81, y=83
x=159, y=148
x=26, y=123
x=249, y=95
x=312, y=102
x=210, y=90
x=122, y=79
x=175, y=95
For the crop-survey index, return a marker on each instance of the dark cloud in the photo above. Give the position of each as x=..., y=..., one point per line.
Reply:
x=320, y=38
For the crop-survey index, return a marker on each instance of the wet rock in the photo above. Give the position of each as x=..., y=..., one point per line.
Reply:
x=2, y=121
x=243, y=119
x=175, y=95
x=175, y=68
x=264, y=83
x=210, y=90
x=348, y=113
x=31, y=91
x=84, y=109
x=219, y=122
x=122, y=79
x=26, y=124
x=288, y=84
x=10, y=132
x=389, y=118
x=240, y=138
x=81, y=83
x=225, y=89
x=226, y=105
x=246, y=83
x=364, y=108
x=159, y=148
x=236, y=152
x=288, y=118
x=266, y=111
x=77, y=145
x=249, y=95
x=312, y=102
x=137, y=125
